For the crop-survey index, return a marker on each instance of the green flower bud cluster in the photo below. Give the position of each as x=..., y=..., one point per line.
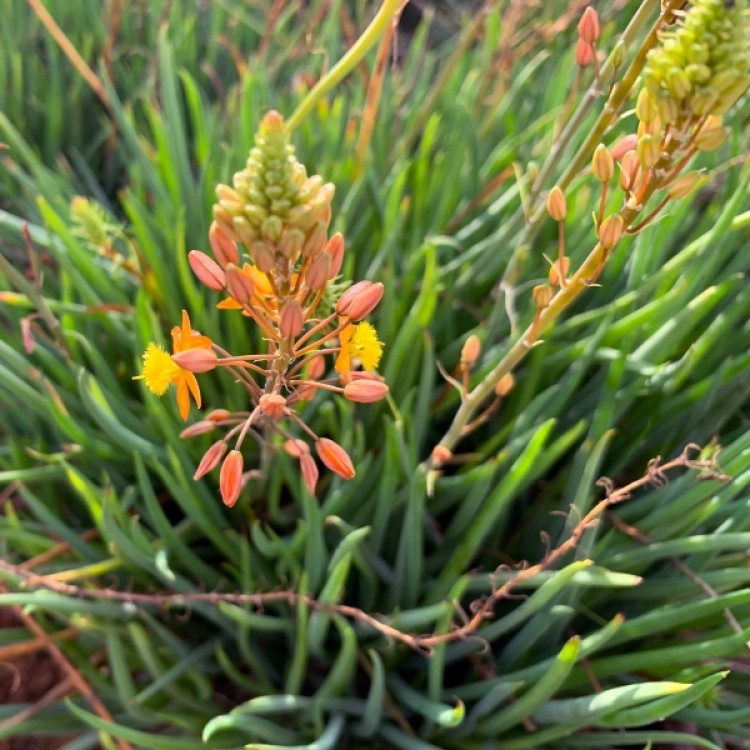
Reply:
x=273, y=206
x=702, y=64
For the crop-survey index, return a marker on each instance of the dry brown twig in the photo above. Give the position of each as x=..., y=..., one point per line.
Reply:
x=69, y=50
x=481, y=610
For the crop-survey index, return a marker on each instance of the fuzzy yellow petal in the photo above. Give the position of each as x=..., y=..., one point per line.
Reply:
x=366, y=346
x=158, y=369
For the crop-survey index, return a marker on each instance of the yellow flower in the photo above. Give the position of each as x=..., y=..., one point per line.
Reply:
x=359, y=342
x=160, y=370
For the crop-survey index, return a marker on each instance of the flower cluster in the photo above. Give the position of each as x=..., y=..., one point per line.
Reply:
x=274, y=261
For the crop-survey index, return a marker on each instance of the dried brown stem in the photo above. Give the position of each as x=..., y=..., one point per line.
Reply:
x=656, y=475
x=69, y=50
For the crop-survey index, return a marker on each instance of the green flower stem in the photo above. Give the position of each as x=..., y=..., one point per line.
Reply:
x=347, y=63
x=581, y=280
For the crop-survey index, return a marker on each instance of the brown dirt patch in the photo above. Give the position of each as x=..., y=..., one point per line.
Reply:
x=26, y=679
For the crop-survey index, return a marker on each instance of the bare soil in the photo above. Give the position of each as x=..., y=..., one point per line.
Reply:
x=26, y=679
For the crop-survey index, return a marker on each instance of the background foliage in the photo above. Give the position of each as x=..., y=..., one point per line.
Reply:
x=98, y=483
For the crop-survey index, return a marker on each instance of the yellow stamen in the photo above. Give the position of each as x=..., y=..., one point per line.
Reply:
x=159, y=369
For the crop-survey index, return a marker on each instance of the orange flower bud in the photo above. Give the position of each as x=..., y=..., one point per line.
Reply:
x=198, y=428
x=558, y=274
x=335, y=458
x=319, y=273
x=610, y=231
x=684, y=185
x=218, y=415
x=223, y=218
x=441, y=454
x=273, y=405
x=208, y=271
x=295, y=447
x=364, y=375
x=228, y=195
x=584, y=53
x=309, y=470
x=335, y=248
x=210, y=459
x=365, y=302
x=316, y=367
x=225, y=250
x=588, y=26
x=505, y=385
x=263, y=256
x=315, y=241
x=602, y=164
x=230, y=478
x=346, y=299
x=629, y=168
x=305, y=391
x=542, y=295
x=239, y=285
x=365, y=391
x=196, y=360
x=557, y=206
x=628, y=143
x=470, y=351
x=291, y=319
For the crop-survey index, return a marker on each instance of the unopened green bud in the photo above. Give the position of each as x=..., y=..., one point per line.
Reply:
x=645, y=108
x=290, y=245
x=617, y=58
x=272, y=228
x=649, y=151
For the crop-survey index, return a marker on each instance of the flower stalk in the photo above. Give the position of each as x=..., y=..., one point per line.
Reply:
x=688, y=85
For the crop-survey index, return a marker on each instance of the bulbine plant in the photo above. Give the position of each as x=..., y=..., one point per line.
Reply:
x=471, y=584
x=283, y=280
